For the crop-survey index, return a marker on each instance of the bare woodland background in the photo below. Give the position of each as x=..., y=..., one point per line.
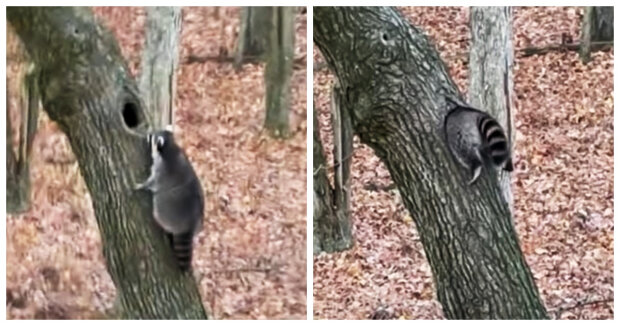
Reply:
x=562, y=183
x=250, y=260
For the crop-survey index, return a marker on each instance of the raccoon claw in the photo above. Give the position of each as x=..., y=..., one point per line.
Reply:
x=142, y=186
x=476, y=174
x=146, y=185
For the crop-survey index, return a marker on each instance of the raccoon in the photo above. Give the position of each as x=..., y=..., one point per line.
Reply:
x=178, y=199
x=475, y=138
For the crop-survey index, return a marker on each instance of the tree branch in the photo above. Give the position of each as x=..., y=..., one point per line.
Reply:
x=557, y=312
x=523, y=52
x=530, y=51
x=298, y=63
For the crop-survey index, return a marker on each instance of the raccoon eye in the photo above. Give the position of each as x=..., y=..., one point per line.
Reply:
x=160, y=143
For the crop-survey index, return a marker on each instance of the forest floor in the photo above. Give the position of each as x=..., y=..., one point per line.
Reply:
x=562, y=183
x=250, y=259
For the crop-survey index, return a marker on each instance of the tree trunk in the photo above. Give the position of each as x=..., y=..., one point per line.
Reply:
x=490, y=71
x=396, y=88
x=603, y=27
x=18, y=164
x=343, y=150
x=160, y=60
x=86, y=88
x=279, y=70
x=253, y=39
x=331, y=228
x=597, y=26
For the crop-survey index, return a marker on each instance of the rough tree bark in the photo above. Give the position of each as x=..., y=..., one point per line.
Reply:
x=18, y=162
x=279, y=71
x=253, y=39
x=331, y=223
x=597, y=26
x=396, y=87
x=603, y=27
x=160, y=60
x=343, y=150
x=86, y=88
x=490, y=71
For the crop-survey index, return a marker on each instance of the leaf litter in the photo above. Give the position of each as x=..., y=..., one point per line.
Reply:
x=250, y=259
x=562, y=183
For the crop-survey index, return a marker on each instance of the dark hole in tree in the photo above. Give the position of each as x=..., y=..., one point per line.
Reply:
x=130, y=115
x=385, y=37
x=76, y=31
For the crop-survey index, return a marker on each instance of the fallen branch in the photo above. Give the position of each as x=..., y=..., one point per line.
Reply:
x=377, y=187
x=332, y=166
x=217, y=58
x=298, y=63
x=596, y=46
x=523, y=52
x=267, y=269
x=558, y=311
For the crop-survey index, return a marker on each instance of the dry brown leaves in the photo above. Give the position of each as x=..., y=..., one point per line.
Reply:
x=250, y=260
x=563, y=183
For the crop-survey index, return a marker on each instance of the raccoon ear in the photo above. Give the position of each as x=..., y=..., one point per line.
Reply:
x=169, y=127
x=160, y=142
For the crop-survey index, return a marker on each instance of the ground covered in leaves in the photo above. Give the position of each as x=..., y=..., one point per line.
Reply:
x=250, y=260
x=562, y=184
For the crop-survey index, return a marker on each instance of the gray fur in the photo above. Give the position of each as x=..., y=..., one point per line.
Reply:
x=177, y=194
x=475, y=140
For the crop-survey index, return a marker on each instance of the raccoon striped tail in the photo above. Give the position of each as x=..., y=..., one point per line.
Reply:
x=182, y=248
x=496, y=143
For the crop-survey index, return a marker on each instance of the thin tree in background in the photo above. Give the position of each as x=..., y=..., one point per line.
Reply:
x=279, y=71
x=331, y=214
x=490, y=70
x=597, y=27
x=160, y=59
x=254, y=30
x=18, y=160
x=343, y=152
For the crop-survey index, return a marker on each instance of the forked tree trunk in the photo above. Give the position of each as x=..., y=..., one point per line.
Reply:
x=490, y=71
x=396, y=86
x=18, y=162
x=86, y=88
x=279, y=71
x=160, y=60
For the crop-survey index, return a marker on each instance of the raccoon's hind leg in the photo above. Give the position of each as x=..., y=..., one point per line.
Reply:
x=476, y=167
x=475, y=171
